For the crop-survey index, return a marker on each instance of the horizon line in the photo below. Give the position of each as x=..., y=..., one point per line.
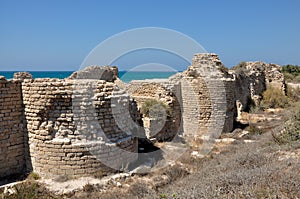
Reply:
x=79, y=70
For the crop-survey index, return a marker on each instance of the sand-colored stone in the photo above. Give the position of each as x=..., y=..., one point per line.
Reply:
x=89, y=122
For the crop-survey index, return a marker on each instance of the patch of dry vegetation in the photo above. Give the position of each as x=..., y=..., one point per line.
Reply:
x=240, y=170
x=291, y=73
x=251, y=170
x=263, y=168
x=291, y=131
x=154, y=107
x=274, y=98
x=30, y=189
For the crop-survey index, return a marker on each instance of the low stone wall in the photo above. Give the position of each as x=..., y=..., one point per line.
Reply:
x=12, y=151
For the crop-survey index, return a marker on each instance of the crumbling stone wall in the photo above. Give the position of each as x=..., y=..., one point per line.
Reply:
x=162, y=129
x=12, y=157
x=252, y=79
x=86, y=124
x=72, y=127
x=274, y=77
x=202, y=97
x=206, y=106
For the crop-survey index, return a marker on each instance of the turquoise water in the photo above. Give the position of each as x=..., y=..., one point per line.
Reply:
x=124, y=75
x=40, y=74
x=128, y=76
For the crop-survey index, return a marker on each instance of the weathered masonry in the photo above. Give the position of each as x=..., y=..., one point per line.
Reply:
x=65, y=127
x=89, y=123
x=12, y=145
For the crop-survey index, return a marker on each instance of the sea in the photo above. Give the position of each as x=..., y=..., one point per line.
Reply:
x=125, y=76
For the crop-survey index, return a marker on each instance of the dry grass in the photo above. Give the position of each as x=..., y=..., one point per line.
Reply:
x=251, y=170
x=238, y=170
x=248, y=171
x=274, y=98
x=28, y=190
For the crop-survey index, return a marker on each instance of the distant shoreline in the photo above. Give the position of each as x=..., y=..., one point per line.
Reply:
x=125, y=76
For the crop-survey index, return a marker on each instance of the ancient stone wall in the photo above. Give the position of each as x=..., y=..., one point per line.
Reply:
x=74, y=128
x=168, y=126
x=202, y=98
x=87, y=123
x=12, y=157
x=274, y=77
x=252, y=79
x=206, y=110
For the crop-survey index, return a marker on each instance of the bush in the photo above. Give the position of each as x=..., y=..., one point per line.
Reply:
x=155, y=108
x=297, y=79
x=28, y=189
x=293, y=93
x=241, y=69
x=88, y=188
x=274, y=98
x=291, y=131
x=288, y=77
x=291, y=73
x=33, y=176
x=291, y=69
x=253, y=130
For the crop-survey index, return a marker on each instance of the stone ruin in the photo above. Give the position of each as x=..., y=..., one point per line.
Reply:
x=252, y=79
x=90, y=122
x=65, y=127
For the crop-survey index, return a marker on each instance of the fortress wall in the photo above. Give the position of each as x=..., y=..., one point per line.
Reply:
x=205, y=98
x=162, y=90
x=85, y=124
x=196, y=106
x=274, y=77
x=12, y=158
x=253, y=79
x=207, y=103
x=72, y=128
x=231, y=109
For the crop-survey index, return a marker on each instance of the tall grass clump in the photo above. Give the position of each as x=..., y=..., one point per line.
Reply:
x=274, y=98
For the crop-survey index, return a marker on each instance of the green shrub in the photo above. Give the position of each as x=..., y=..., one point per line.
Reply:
x=291, y=73
x=274, y=98
x=155, y=108
x=291, y=69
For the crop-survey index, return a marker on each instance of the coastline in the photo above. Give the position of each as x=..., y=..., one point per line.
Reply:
x=125, y=76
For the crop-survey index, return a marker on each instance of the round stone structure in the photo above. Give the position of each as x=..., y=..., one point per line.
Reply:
x=72, y=128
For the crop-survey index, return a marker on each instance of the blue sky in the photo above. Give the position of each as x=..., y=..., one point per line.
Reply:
x=59, y=34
